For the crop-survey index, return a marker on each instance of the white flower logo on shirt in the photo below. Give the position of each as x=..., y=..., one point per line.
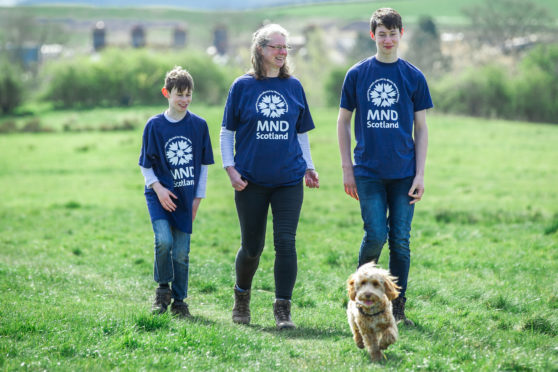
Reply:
x=383, y=93
x=271, y=104
x=179, y=150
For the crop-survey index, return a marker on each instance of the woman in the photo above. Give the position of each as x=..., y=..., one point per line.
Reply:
x=267, y=118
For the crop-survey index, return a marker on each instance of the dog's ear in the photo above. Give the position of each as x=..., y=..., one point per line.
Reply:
x=391, y=288
x=351, y=287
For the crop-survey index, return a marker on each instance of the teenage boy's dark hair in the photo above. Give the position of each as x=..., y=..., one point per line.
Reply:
x=180, y=79
x=387, y=17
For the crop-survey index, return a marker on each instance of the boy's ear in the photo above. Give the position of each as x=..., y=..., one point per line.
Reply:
x=372, y=35
x=402, y=29
x=165, y=92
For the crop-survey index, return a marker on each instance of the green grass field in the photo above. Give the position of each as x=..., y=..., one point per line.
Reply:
x=76, y=258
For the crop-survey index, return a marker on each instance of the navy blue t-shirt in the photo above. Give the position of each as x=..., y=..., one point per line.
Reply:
x=267, y=115
x=176, y=152
x=385, y=96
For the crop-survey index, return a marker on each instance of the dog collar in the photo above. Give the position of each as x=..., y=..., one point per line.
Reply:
x=366, y=314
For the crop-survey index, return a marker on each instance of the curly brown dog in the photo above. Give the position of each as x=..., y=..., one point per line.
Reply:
x=371, y=290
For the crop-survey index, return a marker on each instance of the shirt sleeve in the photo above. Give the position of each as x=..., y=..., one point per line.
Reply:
x=227, y=145
x=421, y=98
x=230, y=119
x=207, y=155
x=149, y=176
x=348, y=94
x=305, y=147
x=202, y=183
x=146, y=147
x=305, y=121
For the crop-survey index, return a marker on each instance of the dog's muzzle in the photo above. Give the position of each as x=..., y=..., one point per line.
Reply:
x=361, y=309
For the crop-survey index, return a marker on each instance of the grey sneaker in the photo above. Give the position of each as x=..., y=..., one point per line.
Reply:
x=399, y=311
x=162, y=300
x=241, y=309
x=180, y=309
x=282, y=312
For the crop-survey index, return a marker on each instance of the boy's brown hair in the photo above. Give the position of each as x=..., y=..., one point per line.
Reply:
x=387, y=17
x=180, y=79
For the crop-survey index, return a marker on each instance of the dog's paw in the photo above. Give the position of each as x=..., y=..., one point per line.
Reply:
x=376, y=356
x=386, y=341
x=358, y=341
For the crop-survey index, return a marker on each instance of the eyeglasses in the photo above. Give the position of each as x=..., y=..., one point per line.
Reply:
x=279, y=47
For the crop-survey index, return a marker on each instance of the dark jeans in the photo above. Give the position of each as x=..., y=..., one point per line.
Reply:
x=386, y=213
x=252, y=205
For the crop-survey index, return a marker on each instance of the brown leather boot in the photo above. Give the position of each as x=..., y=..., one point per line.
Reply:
x=180, y=309
x=162, y=300
x=282, y=312
x=241, y=309
x=399, y=311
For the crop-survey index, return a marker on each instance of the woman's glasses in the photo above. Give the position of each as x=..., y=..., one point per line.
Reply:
x=279, y=47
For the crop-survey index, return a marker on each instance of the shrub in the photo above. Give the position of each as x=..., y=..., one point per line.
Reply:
x=8, y=126
x=11, y=87
x=536, y=88
x=333, y=86
x=530, y=95
x=121, y=78
x=482, y=92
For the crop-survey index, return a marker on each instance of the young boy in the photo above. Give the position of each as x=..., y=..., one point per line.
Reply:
x=389, y=95
x=175, y=153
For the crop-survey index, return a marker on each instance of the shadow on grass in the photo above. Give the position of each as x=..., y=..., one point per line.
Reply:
x=308, y=332
x=198, y=319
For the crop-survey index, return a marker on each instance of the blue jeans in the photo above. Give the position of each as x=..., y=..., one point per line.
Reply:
x=172, y=249
x=387, y=214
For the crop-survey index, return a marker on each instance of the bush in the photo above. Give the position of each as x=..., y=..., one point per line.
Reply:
x=536, y=88
x=333, y=86
x=11, y=87
x=491, y=92
x=121, y=78
x=483, y=92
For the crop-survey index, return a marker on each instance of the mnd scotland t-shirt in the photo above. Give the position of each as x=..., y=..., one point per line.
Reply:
x=385, y=96
x=266, y=116
x=176, y=152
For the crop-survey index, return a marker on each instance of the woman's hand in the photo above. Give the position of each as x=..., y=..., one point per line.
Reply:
x=311, y=178
x=236, y=179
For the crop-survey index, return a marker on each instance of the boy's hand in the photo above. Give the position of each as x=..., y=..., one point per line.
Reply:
x=417, y=189
x=349, y=182
x=164, y=196
x=311, y=178
x=195, y=206
x=236, y=179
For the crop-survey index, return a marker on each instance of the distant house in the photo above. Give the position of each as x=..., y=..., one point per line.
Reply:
x=99, y=36
x=138, y=36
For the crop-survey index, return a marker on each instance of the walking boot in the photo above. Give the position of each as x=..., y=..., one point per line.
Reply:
x=282, y=312
x=162, y=300
x=180, y=309
x=399, y=311
x=241, y=309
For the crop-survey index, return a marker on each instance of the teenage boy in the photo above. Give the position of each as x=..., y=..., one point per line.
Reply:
x=391, y=97
x=175, y=153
